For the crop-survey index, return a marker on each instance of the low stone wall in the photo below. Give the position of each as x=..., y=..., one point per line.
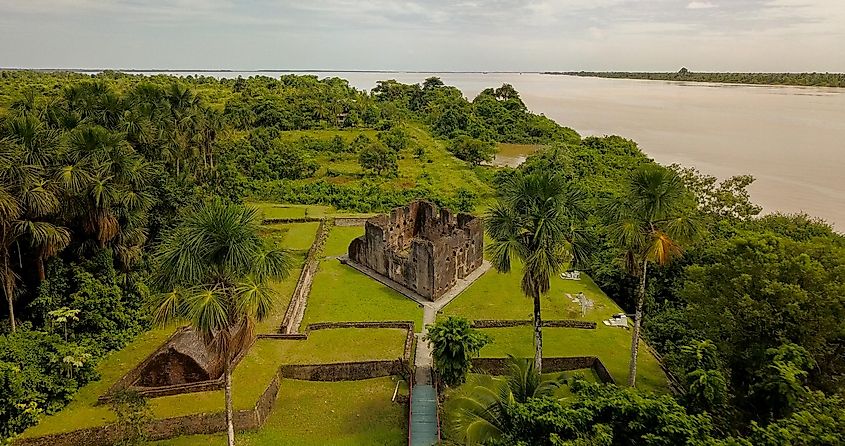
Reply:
x=342, y=371
x=350, y=221
x=271, y=221
x=289, y=336
x=561, y=323
x=296, y=308
x=500, y=366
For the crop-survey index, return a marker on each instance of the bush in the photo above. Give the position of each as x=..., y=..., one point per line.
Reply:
x=471, y=150
x=454, y=343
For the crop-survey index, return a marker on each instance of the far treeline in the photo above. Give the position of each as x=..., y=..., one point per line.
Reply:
x=796, y=79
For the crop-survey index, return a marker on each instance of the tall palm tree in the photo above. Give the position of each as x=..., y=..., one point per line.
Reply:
x=214, y=270
x=25, y=199
x=480, y=413
x=106, y=182
x=535, y=221
x=649, y=224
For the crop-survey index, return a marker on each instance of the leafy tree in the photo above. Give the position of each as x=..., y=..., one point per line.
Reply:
x=705, y=384
x=214, y=271
x=63, y=316
x=605, y=415
x=396, y=139
x=379, y=159
x=454, y=343
x=471, y=150
x=534, y=222
x=818, y=420
x=782, y=384
x=649, y=224
x=728, y=199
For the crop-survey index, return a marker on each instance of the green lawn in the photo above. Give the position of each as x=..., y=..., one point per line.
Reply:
x=341, y=293
x=270, y=210
x=612, y=345
x=347, y=344
x=295, y=236
x=498, y=296
x=339, y=239
x=350, y=413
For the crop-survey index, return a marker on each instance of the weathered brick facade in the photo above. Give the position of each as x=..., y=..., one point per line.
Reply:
x=421, y=247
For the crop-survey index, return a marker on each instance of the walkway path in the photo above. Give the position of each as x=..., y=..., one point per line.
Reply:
x=424, y=429
x=424, y=422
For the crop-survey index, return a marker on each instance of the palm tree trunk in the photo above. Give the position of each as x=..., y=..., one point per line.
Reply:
x=40, y=266
x=538, y=333
x=8, y=288
x=227, y=389
x=635, y=335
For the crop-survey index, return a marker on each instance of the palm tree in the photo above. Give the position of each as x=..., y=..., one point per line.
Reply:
x=649, y=224
x=480, y=414
x=214, y=270
x=25, y=198
x=534, y=221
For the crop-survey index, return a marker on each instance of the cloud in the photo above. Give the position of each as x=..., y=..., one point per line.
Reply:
x=701, y=5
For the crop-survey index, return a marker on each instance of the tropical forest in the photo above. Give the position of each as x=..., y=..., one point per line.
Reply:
x=154, y=226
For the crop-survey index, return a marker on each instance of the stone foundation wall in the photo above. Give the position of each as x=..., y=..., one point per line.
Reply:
x=350, y=221
x=296, y=308
x=342, y=371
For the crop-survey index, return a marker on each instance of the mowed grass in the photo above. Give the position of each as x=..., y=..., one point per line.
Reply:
x=349, y=413
x=612, y=346
x=339, y=239
x=293, y=236
x=271, y=210
x=249, y=380
x=341, y=293
x=498, y=296
x=347, y=344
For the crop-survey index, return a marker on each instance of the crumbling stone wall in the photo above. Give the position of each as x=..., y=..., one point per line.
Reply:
x=421, y=247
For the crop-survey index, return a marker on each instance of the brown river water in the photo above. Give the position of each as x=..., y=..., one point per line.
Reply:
x=791, y=139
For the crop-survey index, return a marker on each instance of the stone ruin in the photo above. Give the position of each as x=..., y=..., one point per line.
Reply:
x=182, y=364
x=421, y=247
x=183, y=359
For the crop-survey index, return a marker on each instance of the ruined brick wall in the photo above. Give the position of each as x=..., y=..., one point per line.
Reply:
x=421, y=247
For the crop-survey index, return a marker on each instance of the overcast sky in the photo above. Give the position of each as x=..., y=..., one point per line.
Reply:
x=437, y=35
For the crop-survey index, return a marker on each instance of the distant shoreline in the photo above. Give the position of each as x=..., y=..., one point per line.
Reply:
x=832, y=80
x=206, y=70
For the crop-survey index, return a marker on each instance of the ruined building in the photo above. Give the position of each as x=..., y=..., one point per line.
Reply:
x=425, y=249
x=183, y=359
